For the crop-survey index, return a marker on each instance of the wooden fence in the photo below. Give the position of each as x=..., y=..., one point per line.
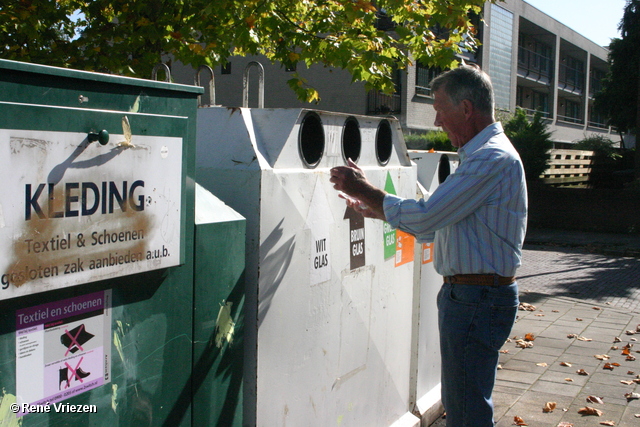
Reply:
x=568, y=168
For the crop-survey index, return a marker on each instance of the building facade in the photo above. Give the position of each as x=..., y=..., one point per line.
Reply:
x=534, y=62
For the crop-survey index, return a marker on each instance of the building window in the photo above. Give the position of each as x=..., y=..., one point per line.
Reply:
x=424, y=76
x=596, y=81
x=597, y=119
x=571, y=74
x=531, y=101
x=570, y=111
x=534, y=56
x=573, y=110
x=541, y=102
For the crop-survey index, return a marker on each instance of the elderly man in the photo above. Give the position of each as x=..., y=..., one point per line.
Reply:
x=477, y=219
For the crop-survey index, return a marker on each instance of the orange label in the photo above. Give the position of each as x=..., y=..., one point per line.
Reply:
x=427, y=253
x=405, y=245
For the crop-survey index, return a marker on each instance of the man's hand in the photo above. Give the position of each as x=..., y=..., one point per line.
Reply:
x=358, y=192
x=349, y=179
x=358, y=206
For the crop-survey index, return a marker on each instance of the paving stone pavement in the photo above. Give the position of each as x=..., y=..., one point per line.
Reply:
x=577, y=273
x=585, y=298
x=573, y=332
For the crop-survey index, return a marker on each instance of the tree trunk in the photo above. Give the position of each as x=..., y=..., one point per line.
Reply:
x=637, y=174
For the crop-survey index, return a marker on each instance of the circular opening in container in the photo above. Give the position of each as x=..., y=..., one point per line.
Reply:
x=311, y=139
x=351, y=141
x=444, y=169
x=384, y=142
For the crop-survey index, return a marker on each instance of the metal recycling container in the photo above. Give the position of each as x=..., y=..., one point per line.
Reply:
x=328, y=310
x=97, y=234
x=218, y=313
x=433, y=169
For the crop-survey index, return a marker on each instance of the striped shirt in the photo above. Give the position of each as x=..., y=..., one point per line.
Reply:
x=477, y=217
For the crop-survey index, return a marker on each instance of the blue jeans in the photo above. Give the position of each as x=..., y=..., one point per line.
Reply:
x=474, y=322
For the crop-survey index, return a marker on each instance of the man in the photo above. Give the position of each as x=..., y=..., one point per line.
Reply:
x=478, y=219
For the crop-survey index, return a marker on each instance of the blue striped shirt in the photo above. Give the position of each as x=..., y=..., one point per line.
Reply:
x=478, y=215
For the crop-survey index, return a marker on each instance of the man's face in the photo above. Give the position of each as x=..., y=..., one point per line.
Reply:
x=451, y=118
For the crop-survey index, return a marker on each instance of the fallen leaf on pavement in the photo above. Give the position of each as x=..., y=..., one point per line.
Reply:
x=617, y=339
x=602, y=356
x=529, y=337
x=572, y=336
x=558, y=311
x=564, y=424
x=630, y=332
x=595, y=399
x=499, y=367
x=608, y=366
x=631, y=396
x=539, y=315
x=627, y=382
x=543, y=364
x=584, y=339
x=549, y=407
x=504, y=351
x=596, y=308
x=526, y=307
x=608, y=423
x=579, y=319
x=630, y=358
x=524, y=344
x=565, y=364
x=570, y=380
x=588, y=410
x=582, y=372
x=518, y=421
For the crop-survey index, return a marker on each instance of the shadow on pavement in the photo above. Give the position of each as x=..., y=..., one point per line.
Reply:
x=579, y=274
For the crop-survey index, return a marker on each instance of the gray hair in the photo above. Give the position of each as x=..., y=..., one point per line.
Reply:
x=467, y=82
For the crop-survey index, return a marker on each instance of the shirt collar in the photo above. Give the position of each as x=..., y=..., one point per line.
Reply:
x=477, y=141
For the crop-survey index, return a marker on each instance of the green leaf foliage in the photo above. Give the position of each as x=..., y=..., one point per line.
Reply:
x=601, y=146
x=130, y=37
x=432, y=140
x=532, y=140
x=618, y=98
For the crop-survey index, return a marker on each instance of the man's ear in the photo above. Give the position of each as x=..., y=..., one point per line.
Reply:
x=467, y=108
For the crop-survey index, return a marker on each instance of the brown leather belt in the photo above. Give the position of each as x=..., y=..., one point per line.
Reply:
x=480, y=279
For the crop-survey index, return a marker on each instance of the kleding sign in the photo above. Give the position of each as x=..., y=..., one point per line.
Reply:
x=74, y=212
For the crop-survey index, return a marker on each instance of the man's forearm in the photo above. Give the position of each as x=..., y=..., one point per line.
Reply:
x=373, y=198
